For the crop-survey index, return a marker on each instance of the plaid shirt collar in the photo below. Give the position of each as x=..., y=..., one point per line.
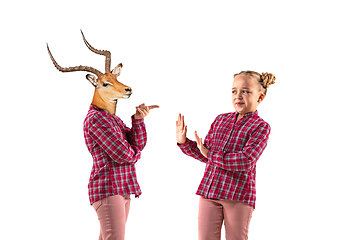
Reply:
x=93, y=107
x=248, y=115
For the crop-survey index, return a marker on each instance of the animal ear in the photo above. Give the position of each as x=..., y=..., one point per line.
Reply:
x=117, y=70
x=92, y=79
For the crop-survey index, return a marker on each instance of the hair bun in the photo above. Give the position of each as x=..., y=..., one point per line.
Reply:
x=267, y=79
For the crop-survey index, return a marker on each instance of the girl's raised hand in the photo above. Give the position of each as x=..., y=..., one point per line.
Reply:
x=202, y=148
x=143, y=110
x=181, y=130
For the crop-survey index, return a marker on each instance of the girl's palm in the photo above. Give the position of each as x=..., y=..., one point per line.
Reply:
x=181, y=130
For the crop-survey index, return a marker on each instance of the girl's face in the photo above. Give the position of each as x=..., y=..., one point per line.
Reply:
x=246, y=94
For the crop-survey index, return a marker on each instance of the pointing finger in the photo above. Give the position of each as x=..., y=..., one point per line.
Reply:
x=153, y=106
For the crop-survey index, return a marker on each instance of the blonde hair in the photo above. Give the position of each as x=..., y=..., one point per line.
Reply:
x=265, y=79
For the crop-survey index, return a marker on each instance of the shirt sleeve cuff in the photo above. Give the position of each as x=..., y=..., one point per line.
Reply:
x=184, y=145
x=137, y=121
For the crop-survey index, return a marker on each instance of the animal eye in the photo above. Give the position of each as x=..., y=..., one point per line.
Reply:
x=105, y=84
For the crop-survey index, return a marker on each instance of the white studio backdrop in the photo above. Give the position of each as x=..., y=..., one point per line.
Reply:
x=182, y=56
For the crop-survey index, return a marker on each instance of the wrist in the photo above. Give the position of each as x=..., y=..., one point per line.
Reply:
x=205, y=152
x=181, y=142
x=135, y=117
x=137, y=120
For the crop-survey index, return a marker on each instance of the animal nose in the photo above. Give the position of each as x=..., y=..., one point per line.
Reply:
x=128, y=89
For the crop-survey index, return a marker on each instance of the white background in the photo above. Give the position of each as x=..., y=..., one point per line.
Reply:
x=181, y=55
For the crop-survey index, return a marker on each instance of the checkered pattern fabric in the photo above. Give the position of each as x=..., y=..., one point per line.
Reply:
x=115, y=149
x=234, y=149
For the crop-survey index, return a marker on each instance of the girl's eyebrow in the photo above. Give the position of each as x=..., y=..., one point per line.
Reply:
x=242, y=88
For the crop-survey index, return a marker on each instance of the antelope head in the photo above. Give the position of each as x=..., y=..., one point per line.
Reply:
x=107, y=88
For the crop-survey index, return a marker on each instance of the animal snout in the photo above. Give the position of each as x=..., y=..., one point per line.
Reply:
x=128, y=90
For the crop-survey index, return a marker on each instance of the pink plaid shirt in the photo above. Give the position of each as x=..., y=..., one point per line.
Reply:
x=115, y=149
x=234, y=149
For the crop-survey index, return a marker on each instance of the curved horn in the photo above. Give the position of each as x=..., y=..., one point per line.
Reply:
x=74, y=69
x=107, y=54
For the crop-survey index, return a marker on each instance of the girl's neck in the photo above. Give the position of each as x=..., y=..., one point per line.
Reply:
x=240, y=116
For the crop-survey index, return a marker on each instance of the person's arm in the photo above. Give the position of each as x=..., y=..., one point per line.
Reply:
x=245, y=159
x=189, y=147
x=137, y=134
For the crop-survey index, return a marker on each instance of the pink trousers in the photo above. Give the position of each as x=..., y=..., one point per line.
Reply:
x=236, y=216
x=112, y=214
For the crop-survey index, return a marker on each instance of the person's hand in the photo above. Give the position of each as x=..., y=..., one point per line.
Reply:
x=202, y=148
x=181, y=130
x=143, y=110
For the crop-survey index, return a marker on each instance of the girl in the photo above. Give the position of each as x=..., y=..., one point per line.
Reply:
x=231, y=150
x=115, y=149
